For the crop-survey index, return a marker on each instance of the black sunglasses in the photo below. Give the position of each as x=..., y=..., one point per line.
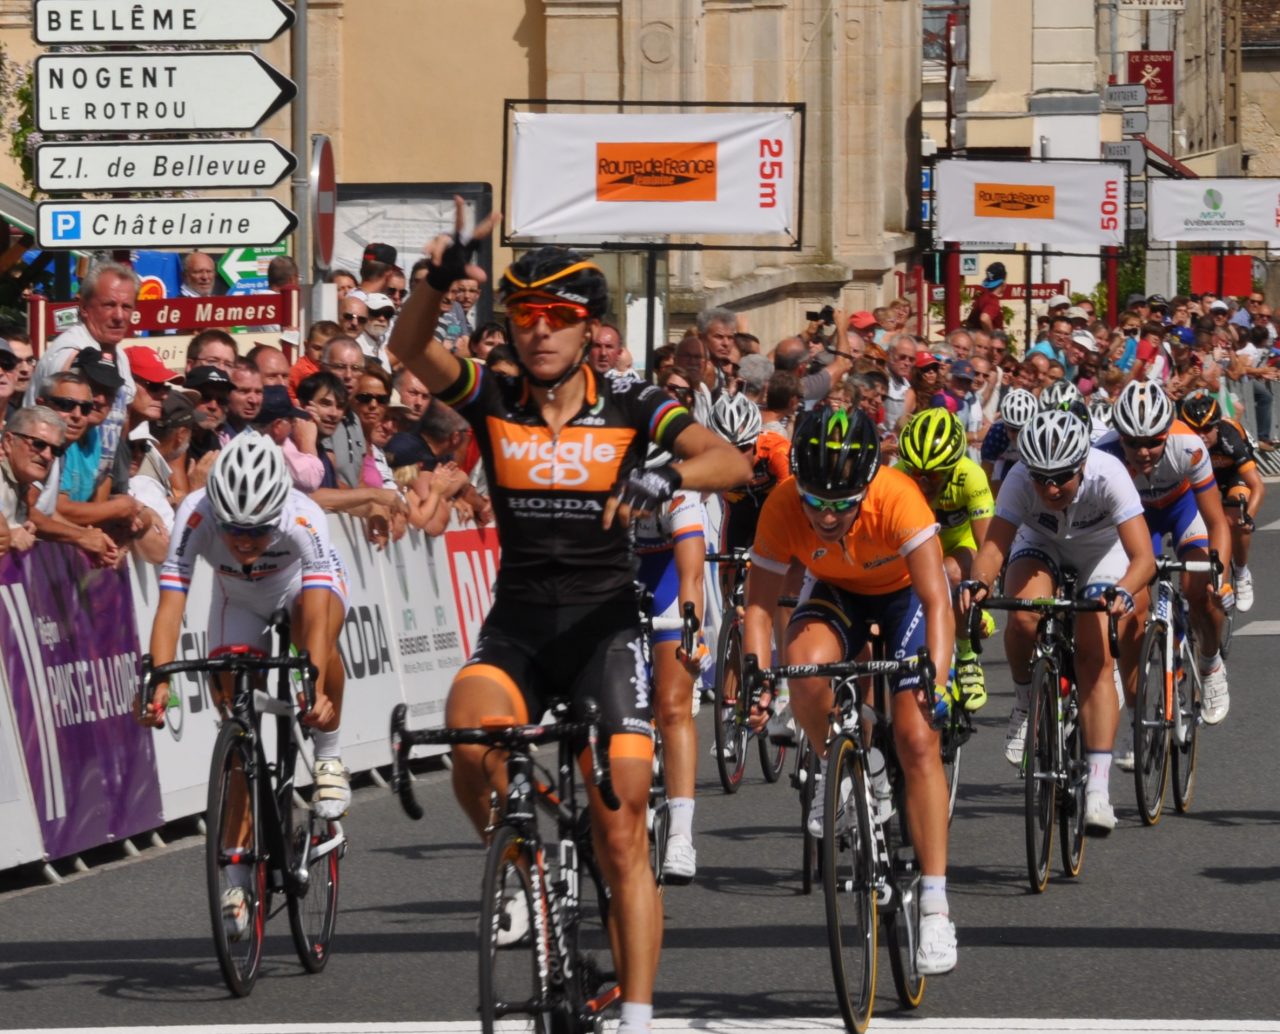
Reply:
x=215, y=395
x=365, y=397
x=1154, y=442
x=70, y=405
x=153, y=387
x=393, y=292
x=1056, y=479
x=8, y=362
x=38, y=445
x=353, y=317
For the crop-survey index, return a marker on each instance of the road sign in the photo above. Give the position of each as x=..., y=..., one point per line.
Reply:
x=239, y=266
x=1137, y=218
x=1134, y=122
x=173, y=165
x=968, y=265
x=160, y=21
x=324, y=200
x=1137, y=192
x=1130, y=151
x=207, y=222
x=1131, y=95
x=157, y=92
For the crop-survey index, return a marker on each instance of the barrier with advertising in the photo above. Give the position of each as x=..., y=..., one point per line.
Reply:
x=70, y=658
x=588, y=175
x=1063, y=204
x=1214, y=210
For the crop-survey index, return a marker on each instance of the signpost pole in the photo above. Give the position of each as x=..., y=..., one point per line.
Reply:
x=650, y=308
x=951, y=285
x=1113, y=285
x=301, y=147
x=1026, y=275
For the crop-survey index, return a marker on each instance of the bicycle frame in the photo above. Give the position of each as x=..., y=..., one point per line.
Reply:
x=1170, y=606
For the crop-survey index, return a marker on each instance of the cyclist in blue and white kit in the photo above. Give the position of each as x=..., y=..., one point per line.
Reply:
x=670, y=547
x=1000, y=447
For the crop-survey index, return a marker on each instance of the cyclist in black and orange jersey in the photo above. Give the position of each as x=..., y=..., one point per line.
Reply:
x=563, y=450
x=1236, y=471
x=869, y=543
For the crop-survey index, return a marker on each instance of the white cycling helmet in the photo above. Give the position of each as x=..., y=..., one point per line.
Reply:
x=736, y=419
x=1100, y=411
x=1018, y=407
x=1143, y=410
x=249, y=482
x=1054, y=440
x=1059, y=395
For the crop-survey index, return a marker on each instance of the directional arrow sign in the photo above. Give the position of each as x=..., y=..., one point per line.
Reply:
x=207, y=222
x=241, y=264
x=175, y=165
x=160, y=21
x=156, y=93
x=1133, y=95
x=1130, y=151
x=1134, y=122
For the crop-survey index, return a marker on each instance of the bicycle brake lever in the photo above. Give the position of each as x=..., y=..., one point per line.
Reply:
x=600, y=774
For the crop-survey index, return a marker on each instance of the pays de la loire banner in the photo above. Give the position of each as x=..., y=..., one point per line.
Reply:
x=1062, y=204
x=591, y=175
x=1214, y=210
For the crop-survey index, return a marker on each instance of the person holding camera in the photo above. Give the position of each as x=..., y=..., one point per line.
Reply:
x=819, y=370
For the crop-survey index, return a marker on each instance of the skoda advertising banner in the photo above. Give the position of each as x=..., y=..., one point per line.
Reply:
x=1049, y=203
x=1215, y=210
x=591, y=175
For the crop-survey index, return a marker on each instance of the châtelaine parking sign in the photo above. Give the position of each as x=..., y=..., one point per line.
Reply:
x=186, y=223
x=63, y=22
x=178, y=92
x=169, y=165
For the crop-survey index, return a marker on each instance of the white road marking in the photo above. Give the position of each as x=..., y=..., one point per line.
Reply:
x=1258, y=628
x=920, y=1025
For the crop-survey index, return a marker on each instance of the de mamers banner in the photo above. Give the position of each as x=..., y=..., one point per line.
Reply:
x=1214, y=210
x=1063, y=204
x=72, y=679
x=593, y=175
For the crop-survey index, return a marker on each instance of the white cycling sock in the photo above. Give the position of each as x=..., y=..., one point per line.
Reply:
x=1238, y=570
x=636, y=1017
x=681, y=812
x=1099, y=772
x=1208, y=664
x=326, y=743
x=933, y=895
x=240, y=875
x=1022, y=695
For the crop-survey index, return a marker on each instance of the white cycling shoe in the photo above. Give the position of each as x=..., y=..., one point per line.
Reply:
x=235, y=912
x=1217, y=697
x=936, y=953
x=1015, y=738
x=680, y=863
x=332, y=795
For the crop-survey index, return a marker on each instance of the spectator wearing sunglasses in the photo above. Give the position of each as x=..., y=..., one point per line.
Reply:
x=353, y=316
x=8, y=379
x=70, y=396
x=382, y=312
x=19, y=344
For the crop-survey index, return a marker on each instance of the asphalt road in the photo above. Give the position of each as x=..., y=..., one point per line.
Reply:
x=1178, y=922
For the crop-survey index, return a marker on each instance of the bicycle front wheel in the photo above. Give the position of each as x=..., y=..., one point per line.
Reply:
x=807, y=769
x=1071, y=792
x=1188, y=701
x=515, y=944
x=902, y=925
x=1150, y=725
x=1040, y=771
x=235, y=859
x=952, y=742
x=849, y=883
x=313, y=909
x=773, y=757
x=659, y=817
x=731, y=708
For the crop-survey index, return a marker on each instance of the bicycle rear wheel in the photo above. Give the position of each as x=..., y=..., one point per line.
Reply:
x=1040, y=772
x=1071, y=794
x=1187, y=700
x=731, y=708
x=773, y=757
x=849, y=884
x=313, y=910
x=902, y=925
x=659, y=817
x=807, y=769
x=233, y=807
x=512, y=966
x=1150, y=727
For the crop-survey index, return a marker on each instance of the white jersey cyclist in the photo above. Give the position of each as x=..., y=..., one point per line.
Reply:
x=656, y=536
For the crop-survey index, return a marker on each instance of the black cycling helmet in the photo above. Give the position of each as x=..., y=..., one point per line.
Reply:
x=835, y=453
x=560, y=273
x=1200, y=410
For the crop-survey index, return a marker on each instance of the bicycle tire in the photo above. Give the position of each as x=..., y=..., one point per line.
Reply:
x=1188, y=691
x=1039, y=772
x=313, y=910
x=808, y=767
x=1151, y=726
x=1071, y=796
x=849, y=885
x=731, y=732
x=511, y=975
x=951, y=745
x=1228, y=629
x=902, y=924
x=659, y=817
x=773, y=757
x=232, y=777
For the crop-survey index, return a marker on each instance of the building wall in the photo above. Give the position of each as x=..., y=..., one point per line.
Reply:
x=1260, y=119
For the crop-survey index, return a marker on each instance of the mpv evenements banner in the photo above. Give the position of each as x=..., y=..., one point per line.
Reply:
x=593, y=175
x=1050, y=203
x=1214, y=210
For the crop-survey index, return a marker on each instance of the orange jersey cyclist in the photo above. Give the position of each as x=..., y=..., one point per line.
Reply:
x=563, y=450
x=869, y=543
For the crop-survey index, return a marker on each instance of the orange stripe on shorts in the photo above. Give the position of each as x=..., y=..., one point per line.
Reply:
x=492, y=673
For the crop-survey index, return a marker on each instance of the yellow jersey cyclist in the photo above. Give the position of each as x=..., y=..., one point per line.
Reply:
x=1065, y=504
x=563, y=450
x=869, y=545
x=933, y=452
x=1236, y=470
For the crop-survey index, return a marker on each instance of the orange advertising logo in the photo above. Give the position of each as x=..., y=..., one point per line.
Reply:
x=581, y=459
x=1013, y=200
x=679, y=171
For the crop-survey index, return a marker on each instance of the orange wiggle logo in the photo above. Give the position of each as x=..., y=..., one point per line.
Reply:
x=679, y=171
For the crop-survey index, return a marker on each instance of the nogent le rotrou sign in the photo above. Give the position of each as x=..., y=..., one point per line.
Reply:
x=187, y=223
x=157, y=92
x=171, y=165
x=160, y=21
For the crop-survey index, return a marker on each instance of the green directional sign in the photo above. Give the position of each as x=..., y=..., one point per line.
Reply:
x=247, y=267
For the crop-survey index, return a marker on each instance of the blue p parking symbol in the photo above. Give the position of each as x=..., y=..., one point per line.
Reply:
x=66, y=224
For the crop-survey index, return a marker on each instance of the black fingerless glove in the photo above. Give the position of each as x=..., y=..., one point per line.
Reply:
x=453, y=263
x=646, y=490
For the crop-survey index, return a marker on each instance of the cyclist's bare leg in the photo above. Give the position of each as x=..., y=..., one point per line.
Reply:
x=919, y=753
x=1206, y=616
x=1099, y=709
x=1025, y=577
x=333, y=677
x=674, y=714
x=813, y=642
x=1129, y=631
x=477, y=694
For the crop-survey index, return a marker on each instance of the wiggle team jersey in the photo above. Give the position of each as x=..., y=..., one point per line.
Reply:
x=549, y=491
x=965, y=498
x=1105, y=499
x=1184, y=465
x=1231, y=455
x=300, y=555
x=893, y=520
